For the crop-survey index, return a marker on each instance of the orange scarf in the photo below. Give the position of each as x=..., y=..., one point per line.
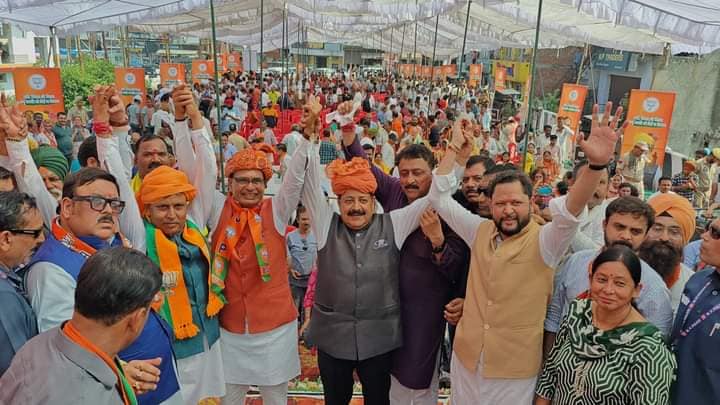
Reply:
x=123, y=385
x=175, y=308
x=673, y=277
x=232, y=224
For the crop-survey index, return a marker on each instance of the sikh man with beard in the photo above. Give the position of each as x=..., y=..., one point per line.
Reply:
x=627, y=221
x=432, y=265
x=497, y=352
x=663, y=247
x=356, y=318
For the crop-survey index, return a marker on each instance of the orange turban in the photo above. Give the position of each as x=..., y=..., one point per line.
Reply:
x=352, y=175
x=249, y=159
x=677, y=207
x=163, y=182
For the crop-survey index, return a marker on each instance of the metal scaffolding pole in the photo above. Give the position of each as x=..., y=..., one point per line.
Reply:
x=262, y=27
x=402, y=44
x=532, y=77
x=217, y=90
x=415, y=48
x=437, y=21
x=462, y=54
x=392, y=54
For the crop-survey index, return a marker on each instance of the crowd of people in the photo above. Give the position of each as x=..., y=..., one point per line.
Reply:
x=405, y=219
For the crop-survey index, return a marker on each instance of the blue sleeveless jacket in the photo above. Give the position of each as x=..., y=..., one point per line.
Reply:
x=154, y=341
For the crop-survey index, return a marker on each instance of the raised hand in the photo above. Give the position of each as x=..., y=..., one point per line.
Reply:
x=180, y=112
x=310, y=120
x=12, y=122
x=118, y=114
x=600, y=146
x=100, y=103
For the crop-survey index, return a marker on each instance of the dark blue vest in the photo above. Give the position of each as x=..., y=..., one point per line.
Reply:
x=155, y=339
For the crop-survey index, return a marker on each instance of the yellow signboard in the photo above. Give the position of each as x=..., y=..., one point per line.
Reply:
x=514, y=71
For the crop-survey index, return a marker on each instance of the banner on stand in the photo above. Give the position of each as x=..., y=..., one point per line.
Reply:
x=649, y=115
x=203, y=71
x=572, y=101
x=171, y=74
x=475, y=74
x=38, y=89
x=130, y=82
x=235, y=62
x=500, y=78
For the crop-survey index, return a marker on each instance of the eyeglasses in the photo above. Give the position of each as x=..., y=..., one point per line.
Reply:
x=244, y=181
x=35, y=233
x=99, y=203
x=714, y=232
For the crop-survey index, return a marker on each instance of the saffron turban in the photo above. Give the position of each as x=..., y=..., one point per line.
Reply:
x=52, y=159
x=250, y=159
x=352, y=175
x=677, y=207
x=163, y=182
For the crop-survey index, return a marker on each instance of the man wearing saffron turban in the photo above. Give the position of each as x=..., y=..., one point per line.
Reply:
x=355, y=320
x=259, y=331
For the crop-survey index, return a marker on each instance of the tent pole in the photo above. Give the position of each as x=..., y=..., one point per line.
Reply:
x=167, y=48
x=104, y=45
x=79, y=51
x=462, y=53
x=532, y=77
x=402, y=43
x=432, y=71
x=54, y=46
x=217, y=91
x=262, y=34
x=390, y=65
x=415, y=46
x=124, y=33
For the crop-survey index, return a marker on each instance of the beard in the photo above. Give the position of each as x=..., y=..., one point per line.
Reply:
x=663, y=256
x=521, y=223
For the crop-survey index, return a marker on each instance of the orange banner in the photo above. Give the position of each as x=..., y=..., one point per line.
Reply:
x=572, y=101
x=38, y=89
x=427, y=72
x=202, y=71
x=171, y=74
x=130, y=82
x=475, y=75
x=223, y=60
x=235, y=62
x=648, y=116
x=406, y=70
x=500, y=78
x=449, y=70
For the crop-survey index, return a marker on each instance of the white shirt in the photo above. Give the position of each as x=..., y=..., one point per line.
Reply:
x=291, y=140
x=388, y=155
x=657, y=193
x=590, y=234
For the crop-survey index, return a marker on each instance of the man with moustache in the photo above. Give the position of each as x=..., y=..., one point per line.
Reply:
x=356, y=320
x=93, y=200
x=432, y=266
x=150, y=152
x=498, y=345
x=696, y=332
x=627, y=221
x=474, y=180
x=21, y=232
x=663, y=247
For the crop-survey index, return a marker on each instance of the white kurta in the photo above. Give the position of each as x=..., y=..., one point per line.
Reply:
x=201, y=375
x=267, y=358
x=471, y=388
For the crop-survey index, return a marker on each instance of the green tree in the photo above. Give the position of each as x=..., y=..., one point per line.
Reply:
x=78, y=81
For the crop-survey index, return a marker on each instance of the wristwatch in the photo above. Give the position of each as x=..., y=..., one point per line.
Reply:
x=438, y=249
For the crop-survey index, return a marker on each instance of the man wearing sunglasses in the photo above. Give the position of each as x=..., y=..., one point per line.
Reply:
x=696, y=332
x=21, y=232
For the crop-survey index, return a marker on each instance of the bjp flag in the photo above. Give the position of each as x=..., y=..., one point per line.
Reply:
x=475, y=75
x=223, y=61
x=449, y=70
x=234, y=62
x=572, y=101
x=38, y=89
x=171, y=74
x=499, y=78
x=427, y=72
x=130, y=82
x=202, y=71
x=406, y=70
x=648, y=116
